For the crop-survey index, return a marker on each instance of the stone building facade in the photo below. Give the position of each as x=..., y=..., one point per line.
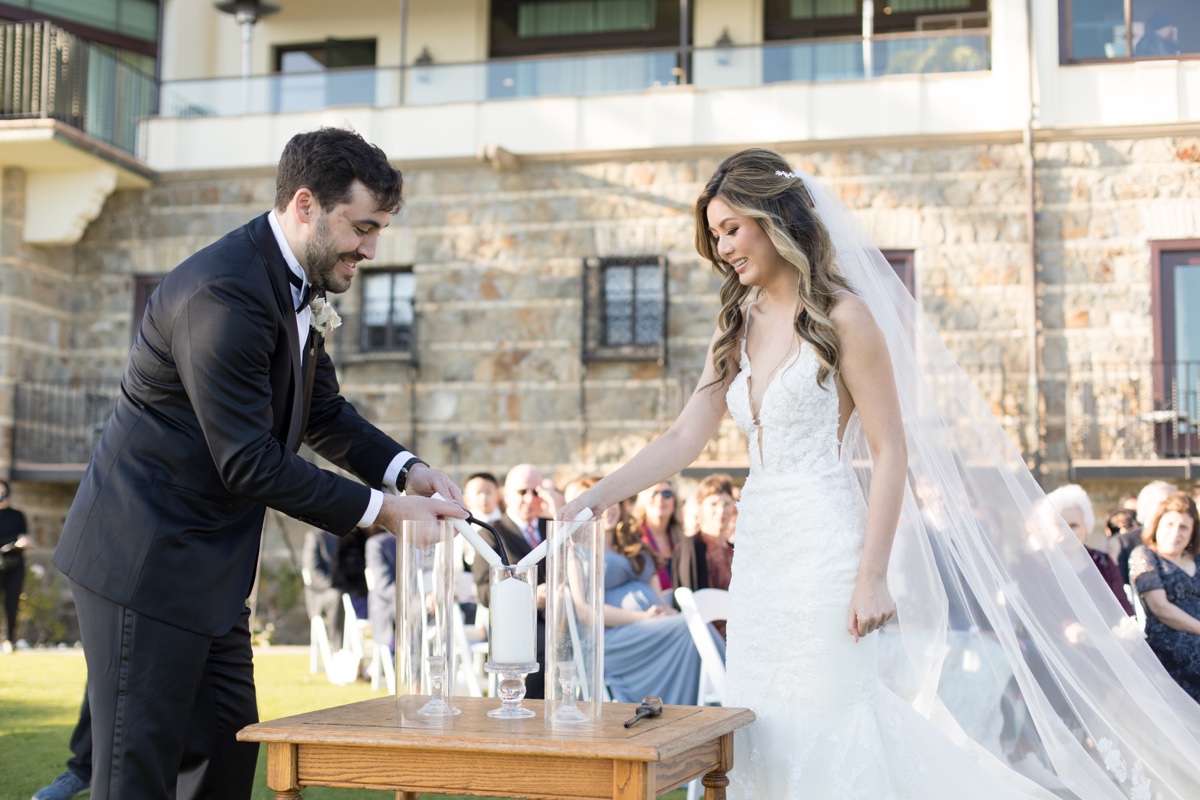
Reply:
x=496, y=376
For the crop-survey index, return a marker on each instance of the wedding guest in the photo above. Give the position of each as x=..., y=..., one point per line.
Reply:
x=1148, y=500
x=13, y=541
x=656, y=517
x=1073, y=505
x=381, y=597
x=704, y=561
x=1118, y=521
x=1163, y=571
x=322, y=595
x=648, y=649
x=481, y=493
x=521, y=529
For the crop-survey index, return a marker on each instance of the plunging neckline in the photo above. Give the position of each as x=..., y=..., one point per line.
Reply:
x=788, y=358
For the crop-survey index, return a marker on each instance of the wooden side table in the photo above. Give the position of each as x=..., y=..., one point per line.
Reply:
x=358, y=746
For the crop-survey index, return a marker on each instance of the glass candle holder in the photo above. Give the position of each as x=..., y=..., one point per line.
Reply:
x=575, y=625
x=424, y=608
x=513, y=636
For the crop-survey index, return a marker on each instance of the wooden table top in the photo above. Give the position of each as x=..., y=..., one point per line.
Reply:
x=372, y=723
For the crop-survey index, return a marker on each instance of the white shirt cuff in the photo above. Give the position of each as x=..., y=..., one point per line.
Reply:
x=369, y=516
x=393, y=470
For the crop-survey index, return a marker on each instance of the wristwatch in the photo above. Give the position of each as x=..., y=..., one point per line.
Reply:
x=402, y=476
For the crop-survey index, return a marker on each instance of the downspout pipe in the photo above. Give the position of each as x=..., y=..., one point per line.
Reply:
x=1033, y=412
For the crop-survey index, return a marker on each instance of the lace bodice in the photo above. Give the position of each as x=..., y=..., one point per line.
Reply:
x=797, y=425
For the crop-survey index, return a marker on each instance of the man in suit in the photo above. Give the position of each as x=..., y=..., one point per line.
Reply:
x=381, y=594
x=322, y=595
x=521, y=528
x=228, y=374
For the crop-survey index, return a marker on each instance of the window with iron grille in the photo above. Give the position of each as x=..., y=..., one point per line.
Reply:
x=387, y=311
x=625, y=309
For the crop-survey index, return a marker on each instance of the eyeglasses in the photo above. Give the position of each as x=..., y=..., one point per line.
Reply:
x=527, y=492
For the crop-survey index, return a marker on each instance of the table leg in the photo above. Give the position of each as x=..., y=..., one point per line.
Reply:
x=714, y=785
x=716, y=781
x=407, y=796
x=283, y=774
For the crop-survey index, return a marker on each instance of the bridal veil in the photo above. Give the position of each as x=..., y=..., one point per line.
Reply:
x=1008, y=639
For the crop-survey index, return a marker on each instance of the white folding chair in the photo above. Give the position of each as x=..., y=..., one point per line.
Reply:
x=1139, y=611
x=464, y=657
x=318, y=636
x=344, y=665
x=699, y=609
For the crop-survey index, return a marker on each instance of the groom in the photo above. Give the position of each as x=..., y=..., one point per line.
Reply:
x=227, y=376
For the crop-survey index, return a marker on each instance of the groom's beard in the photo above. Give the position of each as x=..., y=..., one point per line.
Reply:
x=322, y=257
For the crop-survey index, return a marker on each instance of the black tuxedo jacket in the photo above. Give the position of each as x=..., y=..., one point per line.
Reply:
x=517, y=547
x=214, y=403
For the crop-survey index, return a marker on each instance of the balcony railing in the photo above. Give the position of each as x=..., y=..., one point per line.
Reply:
x=1135, y=413
x=48, y=73
x=57, y=426
x=580, y=75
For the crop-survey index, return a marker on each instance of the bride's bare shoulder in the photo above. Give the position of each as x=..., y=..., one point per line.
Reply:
x=849, y=309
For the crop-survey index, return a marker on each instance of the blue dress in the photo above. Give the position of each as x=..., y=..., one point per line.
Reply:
x=651, y=657
x=1179, y=651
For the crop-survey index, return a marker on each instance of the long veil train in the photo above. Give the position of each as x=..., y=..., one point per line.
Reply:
x=1008, y=637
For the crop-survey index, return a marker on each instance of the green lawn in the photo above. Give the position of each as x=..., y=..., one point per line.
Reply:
x=39, y=701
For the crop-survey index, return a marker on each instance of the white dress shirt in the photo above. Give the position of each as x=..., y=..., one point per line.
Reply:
x=303, y=321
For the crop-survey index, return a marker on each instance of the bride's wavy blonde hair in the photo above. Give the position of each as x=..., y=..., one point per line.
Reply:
x=748, y=183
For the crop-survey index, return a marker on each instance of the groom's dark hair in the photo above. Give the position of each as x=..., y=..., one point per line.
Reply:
x=328, y=161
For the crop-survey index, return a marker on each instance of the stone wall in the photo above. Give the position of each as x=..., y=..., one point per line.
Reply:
x=498, y=376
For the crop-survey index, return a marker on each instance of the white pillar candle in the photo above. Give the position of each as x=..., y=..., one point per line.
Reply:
x=512, y=620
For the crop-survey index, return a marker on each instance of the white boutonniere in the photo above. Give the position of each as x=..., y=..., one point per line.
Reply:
x=324, y=317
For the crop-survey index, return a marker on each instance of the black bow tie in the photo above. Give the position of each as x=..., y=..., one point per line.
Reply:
x=307, y=292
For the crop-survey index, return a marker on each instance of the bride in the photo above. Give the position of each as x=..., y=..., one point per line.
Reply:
x=881, y=489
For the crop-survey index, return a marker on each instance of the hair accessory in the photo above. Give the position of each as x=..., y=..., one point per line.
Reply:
x=783, y=174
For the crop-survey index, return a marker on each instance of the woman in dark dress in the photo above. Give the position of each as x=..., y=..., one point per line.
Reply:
x=1163, y=570
x=13, y=541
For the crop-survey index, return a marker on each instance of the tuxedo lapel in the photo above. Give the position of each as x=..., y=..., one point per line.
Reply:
x=277, y=271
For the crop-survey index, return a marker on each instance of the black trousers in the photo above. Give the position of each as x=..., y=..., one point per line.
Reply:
x=166, y=705
x=80, y=761
x=12, y=581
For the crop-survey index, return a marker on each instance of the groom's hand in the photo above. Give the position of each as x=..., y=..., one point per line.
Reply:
x=397, y=508
x=425, y=481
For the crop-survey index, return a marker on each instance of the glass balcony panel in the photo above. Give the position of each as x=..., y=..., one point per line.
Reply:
x=603, y=73
x=817, y=61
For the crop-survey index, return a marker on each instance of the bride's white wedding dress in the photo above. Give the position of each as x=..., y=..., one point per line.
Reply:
x=826, y=728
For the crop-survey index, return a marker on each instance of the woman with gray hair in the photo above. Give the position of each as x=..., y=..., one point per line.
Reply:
x=1075, y=507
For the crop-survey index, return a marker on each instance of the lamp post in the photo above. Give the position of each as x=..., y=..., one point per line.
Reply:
x=247, y=12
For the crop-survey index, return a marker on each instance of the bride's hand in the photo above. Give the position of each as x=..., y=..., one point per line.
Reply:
x=871, y=606
x=586, y=500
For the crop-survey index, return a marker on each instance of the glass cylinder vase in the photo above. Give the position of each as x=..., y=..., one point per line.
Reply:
x=575, y=626
x=425, y=665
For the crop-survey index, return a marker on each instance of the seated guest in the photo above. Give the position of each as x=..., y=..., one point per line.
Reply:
x=704, y=561
x=648, y=649
x=1163, y=570
x=1120, y=520
x=1121, y=545
x=1073, y=505
x=654, y=513
x=381, y=597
